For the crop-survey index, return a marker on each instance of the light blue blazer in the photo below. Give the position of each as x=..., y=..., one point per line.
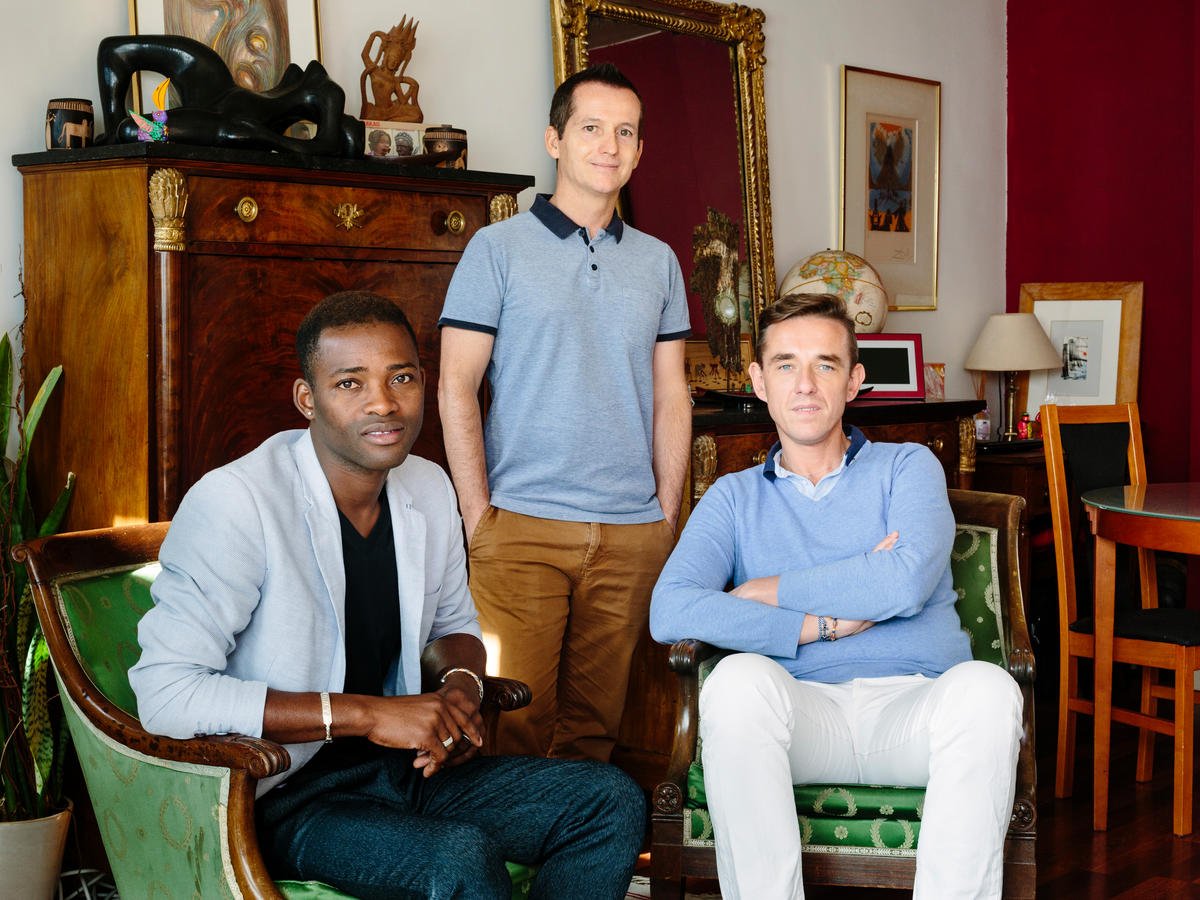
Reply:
x=252, y=591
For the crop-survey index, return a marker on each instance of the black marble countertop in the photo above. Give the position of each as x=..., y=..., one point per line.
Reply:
x=167, y=152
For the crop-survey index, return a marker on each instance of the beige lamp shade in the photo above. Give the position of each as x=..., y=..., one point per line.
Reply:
x=1013, y=342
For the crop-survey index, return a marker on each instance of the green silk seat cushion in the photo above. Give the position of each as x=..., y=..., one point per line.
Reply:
x=141, y=801
x=858, y=818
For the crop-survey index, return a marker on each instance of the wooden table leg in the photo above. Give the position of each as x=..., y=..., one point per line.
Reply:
x=1106, y=555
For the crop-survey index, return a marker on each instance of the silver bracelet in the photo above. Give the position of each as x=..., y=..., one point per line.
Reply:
x=478, y=680
x=822, y=629
x=327, y=717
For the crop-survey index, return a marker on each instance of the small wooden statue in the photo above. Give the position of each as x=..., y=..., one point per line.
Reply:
x=394, y=93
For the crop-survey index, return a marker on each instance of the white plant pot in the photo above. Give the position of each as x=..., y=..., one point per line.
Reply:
x=31, y=853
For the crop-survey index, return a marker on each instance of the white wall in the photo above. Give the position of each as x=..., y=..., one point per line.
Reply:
x=485, y=66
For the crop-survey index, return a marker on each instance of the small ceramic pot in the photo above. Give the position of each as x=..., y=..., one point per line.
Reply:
x=439, y=138
x=69, y=124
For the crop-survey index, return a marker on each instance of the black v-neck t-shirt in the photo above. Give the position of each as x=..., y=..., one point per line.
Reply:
x=372, y=603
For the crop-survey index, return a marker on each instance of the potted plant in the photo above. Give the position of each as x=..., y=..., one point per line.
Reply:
x=34, y=741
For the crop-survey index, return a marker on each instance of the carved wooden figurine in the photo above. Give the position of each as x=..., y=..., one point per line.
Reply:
x=394, y=93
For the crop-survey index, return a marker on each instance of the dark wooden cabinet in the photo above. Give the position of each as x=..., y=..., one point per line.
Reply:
x=729, y=439
x=1023, y=472
x=169, y=281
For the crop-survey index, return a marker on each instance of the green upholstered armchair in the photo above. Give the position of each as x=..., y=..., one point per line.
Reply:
x=176, y=817
x=867, y=835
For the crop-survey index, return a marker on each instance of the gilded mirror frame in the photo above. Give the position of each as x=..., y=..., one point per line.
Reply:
x=741, y=29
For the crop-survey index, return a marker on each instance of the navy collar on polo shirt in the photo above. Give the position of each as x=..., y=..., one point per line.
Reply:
x=857, y=440
x=562, y=226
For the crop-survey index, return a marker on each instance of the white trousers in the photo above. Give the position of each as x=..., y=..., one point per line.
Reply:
x=764, y=731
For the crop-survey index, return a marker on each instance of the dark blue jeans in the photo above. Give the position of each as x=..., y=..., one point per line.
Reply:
x=379, y=829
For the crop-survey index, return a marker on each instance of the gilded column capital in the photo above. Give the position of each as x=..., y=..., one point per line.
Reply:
x=503, y=206
x=168, y=198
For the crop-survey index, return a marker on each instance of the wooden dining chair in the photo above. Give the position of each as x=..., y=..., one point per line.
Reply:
x=1089, y=447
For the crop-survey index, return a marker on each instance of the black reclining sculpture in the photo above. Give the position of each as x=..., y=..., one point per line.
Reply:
x=216, y=112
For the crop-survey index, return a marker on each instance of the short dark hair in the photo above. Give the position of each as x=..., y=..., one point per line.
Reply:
x=791, y=306
x=342, y=309
x=563, y=103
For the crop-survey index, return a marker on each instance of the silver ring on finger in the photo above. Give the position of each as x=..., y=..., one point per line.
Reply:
x=448, y=743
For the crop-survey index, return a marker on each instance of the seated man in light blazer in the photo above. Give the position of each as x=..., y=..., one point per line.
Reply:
x=314, y=592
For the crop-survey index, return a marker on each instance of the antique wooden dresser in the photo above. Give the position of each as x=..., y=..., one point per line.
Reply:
x=169, y=282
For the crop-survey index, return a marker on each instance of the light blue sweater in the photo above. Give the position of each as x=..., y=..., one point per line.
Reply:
x=752, y=524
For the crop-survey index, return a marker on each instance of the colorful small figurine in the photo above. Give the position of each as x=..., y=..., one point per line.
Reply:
x=154, y=128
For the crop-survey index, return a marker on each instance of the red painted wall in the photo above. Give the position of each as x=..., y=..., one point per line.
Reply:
x=1102, y=175
x=686, y=84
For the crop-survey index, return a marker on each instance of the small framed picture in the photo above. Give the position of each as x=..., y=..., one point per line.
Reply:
x=895, y=366
x=392, y=140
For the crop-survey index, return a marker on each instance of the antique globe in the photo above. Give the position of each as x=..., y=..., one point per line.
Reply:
x=850, y=277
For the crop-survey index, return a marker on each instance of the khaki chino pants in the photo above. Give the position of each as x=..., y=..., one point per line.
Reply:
x=562, y=605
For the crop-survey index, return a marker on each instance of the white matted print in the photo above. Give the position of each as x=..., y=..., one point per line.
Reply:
x=1087, y=334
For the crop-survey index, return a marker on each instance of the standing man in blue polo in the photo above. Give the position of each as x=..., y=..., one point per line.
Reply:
x=571, y=491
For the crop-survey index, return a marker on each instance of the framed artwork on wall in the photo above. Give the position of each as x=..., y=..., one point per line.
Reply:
x=895, y=365
x=257, y=38
x=891, y=135
x=1097, y=326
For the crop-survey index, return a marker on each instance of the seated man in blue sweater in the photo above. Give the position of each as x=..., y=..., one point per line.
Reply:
x=828, y=569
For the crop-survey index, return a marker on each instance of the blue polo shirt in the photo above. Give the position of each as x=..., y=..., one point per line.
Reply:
x=569, y=433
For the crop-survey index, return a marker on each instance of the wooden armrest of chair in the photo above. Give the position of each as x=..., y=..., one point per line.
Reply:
x=685, y=659
x=258, y=757
x=506, y=693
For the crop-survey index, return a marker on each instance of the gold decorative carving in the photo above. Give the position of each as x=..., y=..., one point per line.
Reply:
x=704, y=464
x=246, y=209
x=503, y=206
x=741, y=28
x=966, y=446
x=456, y=222
x=348, y=215
x=168, y=196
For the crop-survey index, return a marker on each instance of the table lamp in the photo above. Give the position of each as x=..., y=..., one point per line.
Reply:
x=1012, y=343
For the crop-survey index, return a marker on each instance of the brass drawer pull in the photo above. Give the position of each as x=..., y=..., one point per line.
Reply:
x=456, y=222
x=247, y=209
x=758, y=458
x=937, y=445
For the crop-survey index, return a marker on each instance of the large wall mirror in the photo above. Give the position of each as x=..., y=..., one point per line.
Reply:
x=699, y=68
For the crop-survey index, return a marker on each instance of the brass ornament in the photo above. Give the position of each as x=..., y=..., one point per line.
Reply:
x=503, y=206
x=456, y=222
x=704, y=464
x=168, y=196
x=348, y=215
x=966, y=446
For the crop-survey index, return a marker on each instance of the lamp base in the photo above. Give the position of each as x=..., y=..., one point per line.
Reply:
x=1008, y=424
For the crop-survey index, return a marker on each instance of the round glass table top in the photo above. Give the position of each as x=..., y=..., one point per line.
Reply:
x=1163, y=501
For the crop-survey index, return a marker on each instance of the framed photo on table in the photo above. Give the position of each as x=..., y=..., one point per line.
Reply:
x=257, y=38
x=1097, y=327
x=895, y=366
x=891, y=135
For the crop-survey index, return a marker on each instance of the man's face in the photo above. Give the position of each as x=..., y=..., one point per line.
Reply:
x=600, y=146
x=366, y=399
x=806, y=379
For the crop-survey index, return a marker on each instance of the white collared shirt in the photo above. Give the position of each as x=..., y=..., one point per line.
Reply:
x=803, y=485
